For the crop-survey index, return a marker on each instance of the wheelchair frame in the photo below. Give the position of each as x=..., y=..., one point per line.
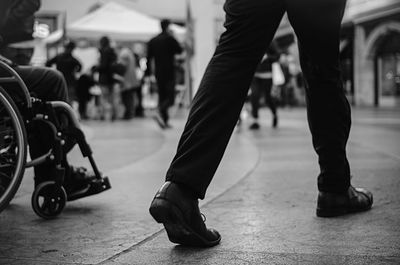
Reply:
x=49, y=197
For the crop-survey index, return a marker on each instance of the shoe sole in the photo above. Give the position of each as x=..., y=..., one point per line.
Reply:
x=177, y=228
x=334, y=212
x=339, y=211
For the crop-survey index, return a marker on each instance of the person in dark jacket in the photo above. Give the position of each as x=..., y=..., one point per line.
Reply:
x=44, y=83
x=83, y=85
x=261, y=85
x=161, y=51
x=108, y=58
x=250, y=27
x=69, y=66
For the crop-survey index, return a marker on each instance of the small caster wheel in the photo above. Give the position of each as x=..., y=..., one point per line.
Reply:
x=48, y=200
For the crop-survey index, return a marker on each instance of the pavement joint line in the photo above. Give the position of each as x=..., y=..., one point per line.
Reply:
x=149, y=238
x=35, y=260
x=131, y=248
x=137, y=160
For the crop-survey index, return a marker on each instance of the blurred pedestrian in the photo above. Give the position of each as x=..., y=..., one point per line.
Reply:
x=287, y=88
x=250, y=25
x=161, y=51
x=83, y=86
x=69, y=66
x=130, y=81
x=108, y=58
x=261, y=86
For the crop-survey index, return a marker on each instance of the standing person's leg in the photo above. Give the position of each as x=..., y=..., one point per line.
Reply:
x=103, y=101
x=127, y=101
x=162, y=114
x=317, y=25
x=216, y=107
x=114, y=100
x=255, y=102
x=270, y=101
x=250, y=26
x=170, y=99
x=139, y=110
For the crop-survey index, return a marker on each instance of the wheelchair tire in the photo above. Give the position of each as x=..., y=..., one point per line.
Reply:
x=48, y=200
x=13, y=145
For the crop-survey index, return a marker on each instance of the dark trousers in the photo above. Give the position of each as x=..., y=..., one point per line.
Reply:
x=48, y=85
x=45, y=83
x=166, y=96
x=250, y=27
x=127, y=98
x=261, y=87
x=82, y=107
x=138, y=93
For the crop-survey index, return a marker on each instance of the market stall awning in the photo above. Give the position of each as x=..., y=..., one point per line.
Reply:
x=119, y=23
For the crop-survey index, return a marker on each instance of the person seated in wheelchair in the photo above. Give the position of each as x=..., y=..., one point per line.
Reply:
x=46, y=84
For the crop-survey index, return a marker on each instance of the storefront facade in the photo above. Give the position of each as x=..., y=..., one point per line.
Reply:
x=376, y=55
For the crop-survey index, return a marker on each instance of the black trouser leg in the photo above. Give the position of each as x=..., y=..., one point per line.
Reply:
x=266, y=85
x=82, y=107
x=317, y=26
x=139, y=110
x=250, y=26
x=127, y=101
x=255, y=97
x=166, y=97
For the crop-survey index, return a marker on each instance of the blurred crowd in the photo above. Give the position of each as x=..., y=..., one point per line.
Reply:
x=108, y=90
x=116, y=86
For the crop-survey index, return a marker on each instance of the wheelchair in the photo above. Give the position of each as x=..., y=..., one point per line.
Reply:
x=19, y=113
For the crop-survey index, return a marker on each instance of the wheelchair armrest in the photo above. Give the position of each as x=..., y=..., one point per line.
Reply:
x=7, y=61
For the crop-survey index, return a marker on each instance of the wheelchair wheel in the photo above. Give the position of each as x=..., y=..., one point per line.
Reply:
x=12, y=149
x=48, y=200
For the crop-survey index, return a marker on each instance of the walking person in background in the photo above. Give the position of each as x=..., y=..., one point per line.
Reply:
x=129, y=82
x=69, y=66
x=83, y=86
x=161, y=51
x=261, y=85
x=108, y=57
x=250, y=27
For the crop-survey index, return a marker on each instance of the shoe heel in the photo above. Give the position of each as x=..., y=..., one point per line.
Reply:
x=160, y=210
x=331, y=212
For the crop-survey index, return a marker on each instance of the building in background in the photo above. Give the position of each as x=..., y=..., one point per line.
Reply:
x=370, y=46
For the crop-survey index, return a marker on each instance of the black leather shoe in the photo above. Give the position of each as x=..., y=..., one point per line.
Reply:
x=181, y=217
x=336, y=204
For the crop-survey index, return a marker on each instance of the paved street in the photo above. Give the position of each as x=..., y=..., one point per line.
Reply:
x=262, y=200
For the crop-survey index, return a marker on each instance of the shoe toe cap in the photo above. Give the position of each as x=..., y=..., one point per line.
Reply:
x=367, y=194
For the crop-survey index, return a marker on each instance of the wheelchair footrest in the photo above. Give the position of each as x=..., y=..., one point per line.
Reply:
x=94, y=187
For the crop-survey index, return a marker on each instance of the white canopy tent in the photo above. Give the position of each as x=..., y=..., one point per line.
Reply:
x=120, y=23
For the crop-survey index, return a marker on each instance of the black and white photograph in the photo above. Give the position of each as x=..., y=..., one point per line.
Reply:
x=199, y=132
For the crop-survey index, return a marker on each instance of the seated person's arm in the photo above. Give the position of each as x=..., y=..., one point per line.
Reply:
x=24, y=9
